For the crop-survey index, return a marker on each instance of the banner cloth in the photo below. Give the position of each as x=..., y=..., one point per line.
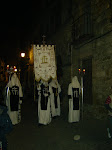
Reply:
x=44, y=62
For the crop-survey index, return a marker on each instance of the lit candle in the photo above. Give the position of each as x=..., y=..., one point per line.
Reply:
x=79, y=70
x=7, y=67
x=14, y=67
x=84, y=71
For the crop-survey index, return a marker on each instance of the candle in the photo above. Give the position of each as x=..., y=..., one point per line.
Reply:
x=84, y=71
x=79, y=70
x=7, y=67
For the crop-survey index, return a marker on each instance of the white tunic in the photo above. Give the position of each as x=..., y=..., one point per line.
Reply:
x=55, y=98
x=44, y=113
x=15, y=116
x=74, y=103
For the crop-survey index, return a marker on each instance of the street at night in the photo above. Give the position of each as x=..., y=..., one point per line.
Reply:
x=59, y=134
x=56, y=55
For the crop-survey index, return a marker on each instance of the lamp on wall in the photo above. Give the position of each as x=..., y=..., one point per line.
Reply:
x=22, y=54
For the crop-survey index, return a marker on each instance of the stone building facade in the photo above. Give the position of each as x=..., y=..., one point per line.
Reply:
x=82, y=33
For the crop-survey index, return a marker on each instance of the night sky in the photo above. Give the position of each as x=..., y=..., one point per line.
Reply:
x=15, y=27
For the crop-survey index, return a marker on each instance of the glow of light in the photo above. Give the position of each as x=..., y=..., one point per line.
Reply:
x=22, y=54
x=84, y=70
x=79, y=70
x=7, y=66
x=31, y=55
x=15, y=70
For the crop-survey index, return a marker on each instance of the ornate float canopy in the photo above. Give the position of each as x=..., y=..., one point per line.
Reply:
x=44, y=62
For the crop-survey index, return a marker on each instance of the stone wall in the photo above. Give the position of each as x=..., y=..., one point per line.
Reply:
x=100, y=49
x=102, y=63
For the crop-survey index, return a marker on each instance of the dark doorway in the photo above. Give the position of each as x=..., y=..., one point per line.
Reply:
x=87, y=80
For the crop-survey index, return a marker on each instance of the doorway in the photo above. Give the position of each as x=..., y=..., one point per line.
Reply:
x=87, y=80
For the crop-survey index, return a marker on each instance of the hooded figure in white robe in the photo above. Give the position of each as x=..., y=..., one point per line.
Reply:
x=44, y=112
x=14, y=99
x=55, y=98
x=74, y=103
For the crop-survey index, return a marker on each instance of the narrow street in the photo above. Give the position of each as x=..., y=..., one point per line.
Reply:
x=58, y=135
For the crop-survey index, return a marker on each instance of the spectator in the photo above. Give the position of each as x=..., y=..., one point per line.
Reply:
x=108, y=106
x=5, y=125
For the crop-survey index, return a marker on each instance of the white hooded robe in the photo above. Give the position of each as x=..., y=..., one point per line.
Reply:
x=55, y=98
x=14, y=89
x=74, y=103
x=44, y=112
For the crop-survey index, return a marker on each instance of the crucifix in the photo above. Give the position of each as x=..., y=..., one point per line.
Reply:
x=43, y=40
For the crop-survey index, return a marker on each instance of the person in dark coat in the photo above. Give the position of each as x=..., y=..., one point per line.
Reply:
x=5, y=125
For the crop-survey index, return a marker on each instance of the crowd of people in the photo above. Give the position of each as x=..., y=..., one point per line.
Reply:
x=48, y=103
x=10, y=107
x=48, y=95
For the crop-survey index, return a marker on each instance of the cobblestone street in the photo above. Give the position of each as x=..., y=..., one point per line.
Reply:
x=58, y=135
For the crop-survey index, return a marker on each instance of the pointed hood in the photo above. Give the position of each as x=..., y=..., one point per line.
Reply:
x=75, y=83
x=44, y=82
x=54, y=83
x=14, y=81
